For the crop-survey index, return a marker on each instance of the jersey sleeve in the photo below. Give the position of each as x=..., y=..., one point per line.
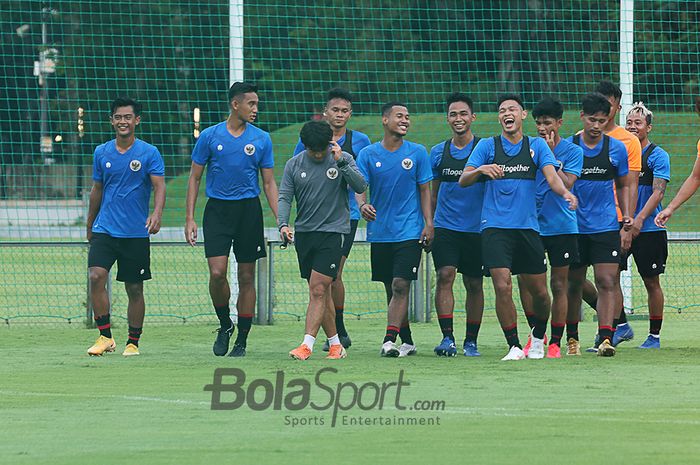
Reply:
x=424, y=172
x=96, y=165
x=156, y=167
x=573, y=160
x=543, y=154
x=363, y=163
x=299, y=147
x=483, y=153
x=660, y=163
x=436, y=159
x=634, y=155
x=619, y=157
x=200, y=153
x=267, y=157
x=360, y=141
x=286, y=194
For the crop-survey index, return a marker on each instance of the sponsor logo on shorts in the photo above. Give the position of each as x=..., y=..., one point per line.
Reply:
x=135, y=165
x=258, y=249
x=142, y=271
x=614, y=253
x=566, y=254
x=108, y=165
x=653, y=266
x=378, y=164
x=415, y=269
x=249, y=149
x=332, y=266
x=407, y=163
x=219, y=147
x=303, y=174
x=332, y=173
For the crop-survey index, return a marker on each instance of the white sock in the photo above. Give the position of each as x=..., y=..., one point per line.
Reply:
x=654, y=336
x=309, y=341
x=619, y=325
x=333, y=340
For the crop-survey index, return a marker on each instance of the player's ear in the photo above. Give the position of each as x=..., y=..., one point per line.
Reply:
x=137, y=120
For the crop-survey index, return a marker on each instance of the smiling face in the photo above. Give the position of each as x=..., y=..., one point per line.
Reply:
x=511, y=116
x=637, y=125
x=460, y=117
x=338, y=112
x=124, y=121
x=397, y=121
x=245, y=107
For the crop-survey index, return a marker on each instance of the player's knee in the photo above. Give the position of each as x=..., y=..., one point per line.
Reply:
x=446, y=276
x=97, y=276
x=317, y=290
x=400, y=287
x=246, y=279
x=652, y=284
x=217, y=274
x=134, y=290
x=503, y=287
x=606, y=283
x=558, y=285
x=474, y=285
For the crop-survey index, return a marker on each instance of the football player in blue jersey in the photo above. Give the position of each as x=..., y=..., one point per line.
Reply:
x=233, y=152
x=399, y=217
x=125, y=170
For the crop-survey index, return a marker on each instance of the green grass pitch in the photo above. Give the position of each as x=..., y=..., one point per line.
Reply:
x=60, y=406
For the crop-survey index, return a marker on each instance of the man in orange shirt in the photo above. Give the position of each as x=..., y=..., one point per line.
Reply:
x=623, y=331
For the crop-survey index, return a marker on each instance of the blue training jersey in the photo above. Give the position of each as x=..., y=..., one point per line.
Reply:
x=393, y=179
x=655, y=164
x=596, y=211
x=553, y=212
x=233, y=162
x=458, y=208
x=360, y=140
x=126, y=187
x=509, y=203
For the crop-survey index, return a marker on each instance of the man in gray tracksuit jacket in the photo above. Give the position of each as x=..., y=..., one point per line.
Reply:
x=318, y=178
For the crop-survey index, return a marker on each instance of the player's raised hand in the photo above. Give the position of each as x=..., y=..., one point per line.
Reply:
x=368, y=212
x=493, y=171
x=153, y=223
x=336, y=150
x=549, y=138
x=191, y=232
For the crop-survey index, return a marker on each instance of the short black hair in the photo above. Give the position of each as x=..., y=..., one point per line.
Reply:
x=548, y=106
x=609, y=89
x=316, y=135
x=340, y=93
x=240, y=88
x=505, y=97
x=386, y=108
x=459, y=97
x=125, y=102
x=595, y=102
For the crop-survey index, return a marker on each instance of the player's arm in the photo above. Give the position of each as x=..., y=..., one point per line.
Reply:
x=285, y=196
x=558, y=187
x=270, y=188
x=470, y=175
x=689, y=187
x=426, y=237
x=567, y=178
x=193, y=182
x=348, y=169
x=434, y=188
x=93, y=206
x=622, y=186
x=657, y=195
x=154, y=220
x=367, y=210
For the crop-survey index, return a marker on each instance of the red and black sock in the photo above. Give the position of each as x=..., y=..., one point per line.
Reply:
x=245, y=321
x=340, y=322
x=472, y=331
x=622, y=320
x=511, y=334
x=223, y=313
x=572, y=329
x=405, y=335
x=531, y=319
x=539, y=328
x=103, y=325
x=446, y=326
x=557, y=333
x=134, y=335
x=391, y=333
x=655, y=324
x=605, y=332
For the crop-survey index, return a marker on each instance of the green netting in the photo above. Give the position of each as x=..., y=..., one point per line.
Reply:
x=174, y=56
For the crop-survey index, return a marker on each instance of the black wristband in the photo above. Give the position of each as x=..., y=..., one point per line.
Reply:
x=342, y=162
x=282, y=226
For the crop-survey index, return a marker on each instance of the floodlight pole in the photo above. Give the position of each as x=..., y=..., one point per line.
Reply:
x=626, y=85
